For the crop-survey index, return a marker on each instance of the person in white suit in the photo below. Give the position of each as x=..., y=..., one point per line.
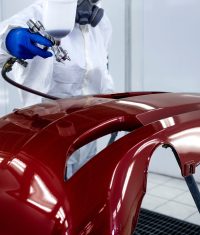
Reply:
x=87, y=72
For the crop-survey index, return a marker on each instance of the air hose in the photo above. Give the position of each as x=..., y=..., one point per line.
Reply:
x=8, y=67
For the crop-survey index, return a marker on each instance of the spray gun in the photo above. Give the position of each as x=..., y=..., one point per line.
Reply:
x=60, y=54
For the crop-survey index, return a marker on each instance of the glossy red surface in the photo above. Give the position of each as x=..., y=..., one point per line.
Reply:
x=105, y=195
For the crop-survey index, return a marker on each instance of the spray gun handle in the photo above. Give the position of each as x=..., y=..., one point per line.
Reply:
x=60, y=54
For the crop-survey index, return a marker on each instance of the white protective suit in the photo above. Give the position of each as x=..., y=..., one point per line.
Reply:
x=85, y=74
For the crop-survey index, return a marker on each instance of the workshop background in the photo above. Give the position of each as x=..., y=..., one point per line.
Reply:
x=155, y=46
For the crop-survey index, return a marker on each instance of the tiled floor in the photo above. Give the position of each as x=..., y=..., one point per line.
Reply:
x=171, y=197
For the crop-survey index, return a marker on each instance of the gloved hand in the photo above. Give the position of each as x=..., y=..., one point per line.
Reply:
x=21, y=43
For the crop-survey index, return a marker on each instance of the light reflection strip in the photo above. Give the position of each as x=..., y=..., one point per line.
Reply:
x=136, y=104
x=47, y=209
x=47, y=195
x=127, y=180
x=18, y=165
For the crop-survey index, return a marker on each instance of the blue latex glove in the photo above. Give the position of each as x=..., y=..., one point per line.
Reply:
x=21, y=43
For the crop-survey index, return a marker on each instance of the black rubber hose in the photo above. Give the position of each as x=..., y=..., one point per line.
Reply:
x=8, y=67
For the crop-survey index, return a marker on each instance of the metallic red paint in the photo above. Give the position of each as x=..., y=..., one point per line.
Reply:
x=105, y=195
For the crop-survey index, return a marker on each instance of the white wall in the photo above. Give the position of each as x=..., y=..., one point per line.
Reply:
x=172, y=45
x=116, y=13
x=121, y=54
x=3, y=101
x=1, y=10
x=171, y=57
x=11, y=7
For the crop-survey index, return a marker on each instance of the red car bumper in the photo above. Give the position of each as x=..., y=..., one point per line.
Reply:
x=105, y=195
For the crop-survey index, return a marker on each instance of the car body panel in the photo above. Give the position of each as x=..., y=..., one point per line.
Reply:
x=105, y=195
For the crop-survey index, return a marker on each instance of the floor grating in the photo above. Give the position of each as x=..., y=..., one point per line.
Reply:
x=152, y=223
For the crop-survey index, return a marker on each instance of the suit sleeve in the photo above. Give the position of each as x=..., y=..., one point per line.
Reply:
x=106, y=28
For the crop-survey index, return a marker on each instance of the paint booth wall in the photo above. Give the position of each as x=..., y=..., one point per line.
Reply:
x=171, y=60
